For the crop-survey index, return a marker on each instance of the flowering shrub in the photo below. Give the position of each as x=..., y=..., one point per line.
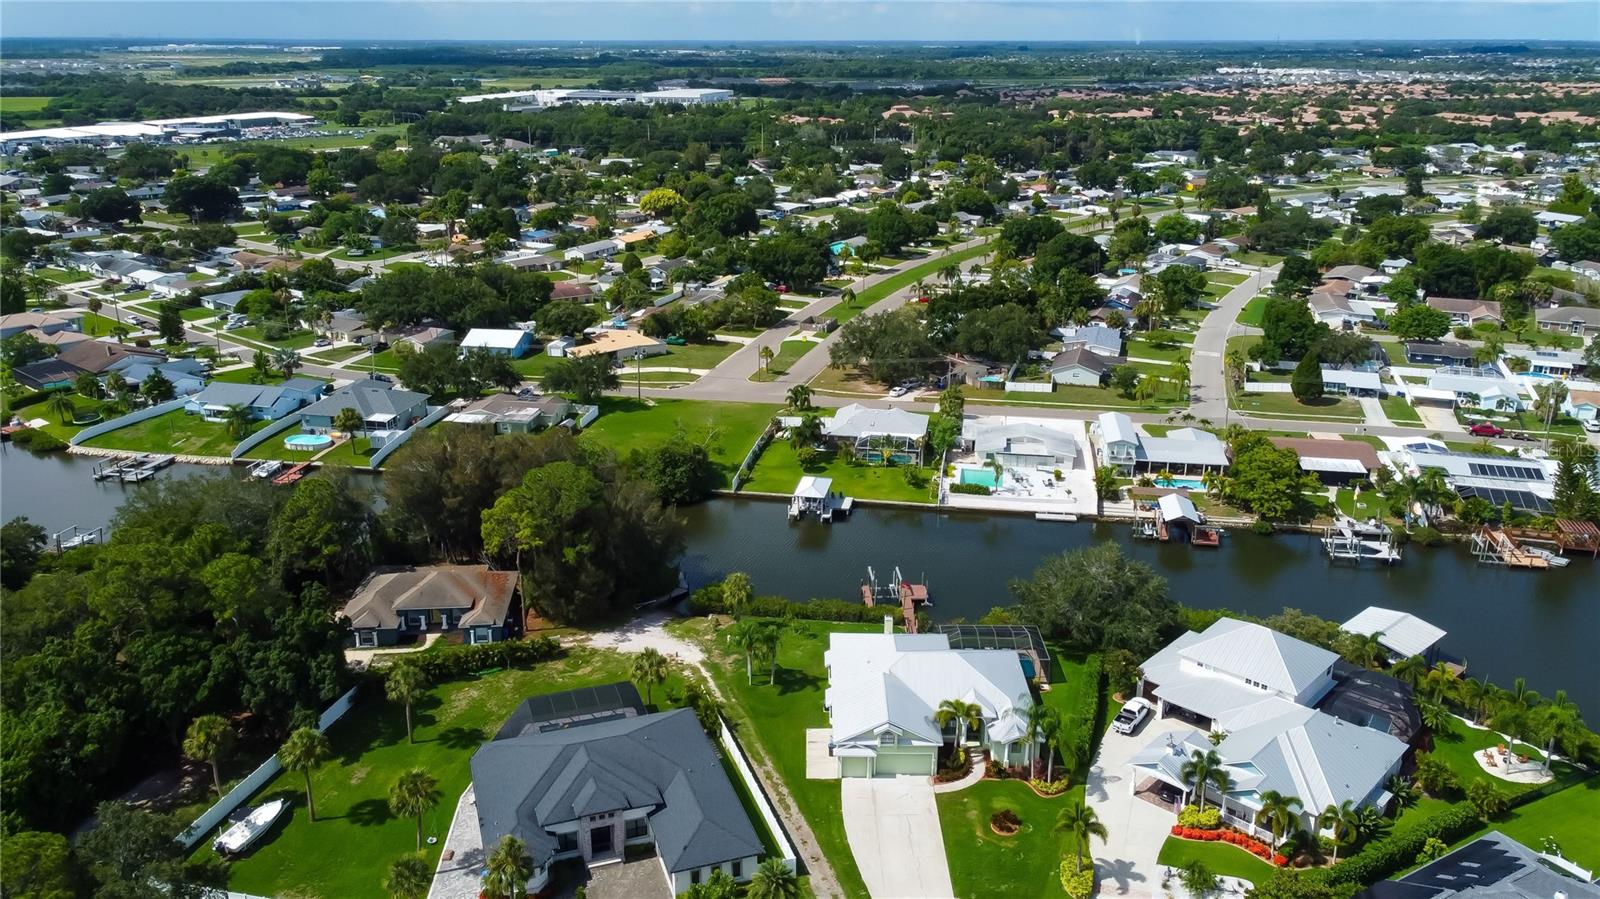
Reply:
x=1243, y=840
x=1205, y=819
x=1077, y=884
x=1051, y=787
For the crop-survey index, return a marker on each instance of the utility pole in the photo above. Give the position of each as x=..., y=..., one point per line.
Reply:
x=638, y=375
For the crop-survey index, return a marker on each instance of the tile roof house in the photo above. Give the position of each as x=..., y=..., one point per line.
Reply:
x=1467, y=312
x=585, y=786
x=885, y=689
x=395, y=602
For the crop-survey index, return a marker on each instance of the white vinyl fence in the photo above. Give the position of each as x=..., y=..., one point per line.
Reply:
x=257, y=779
x=763, y=805
x=1030, y=386
x=433, y=415
x=265, y=434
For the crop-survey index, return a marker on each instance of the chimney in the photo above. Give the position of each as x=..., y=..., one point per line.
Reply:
x=888, y=624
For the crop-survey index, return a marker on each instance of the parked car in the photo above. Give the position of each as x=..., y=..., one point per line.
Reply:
x=1133, y=714
x=322, y=341
x=1484, y=429
x=1592, y=425
x=897, y=390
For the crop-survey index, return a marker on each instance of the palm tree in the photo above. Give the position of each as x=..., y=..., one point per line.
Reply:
x=1197, y=771
x=736, y=592
x=964, y=714
x=237, y=421
x=1037, y=713
x=1474, y=695
x=409, y=877
x=1145, y=388
x=405, y=685
x=1439, y=679
x=1410, y=670
x=746, y=636
x=1079, y=822
x=1559, y=722
x=304, y=751
x=413, y=795
x=1148, y=310
x=800, y=397
x=1343, y=822
x=1235, y=362
x=284, y=242
x=508, y=869
x=1052, y=729
x=286, y=361
x=1433, y=713
x=649, y=668
x=1366, y=650
x=768, y=639
x=349, y=421
x=1180, y=374
x=60, y=402
x=766, y=359
x=1223, y=781
x=207, y=739
x=807, y=432
x=773, y=880
x=1280, y=813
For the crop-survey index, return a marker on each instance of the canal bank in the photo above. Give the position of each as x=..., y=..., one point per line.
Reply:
x=1506, y=624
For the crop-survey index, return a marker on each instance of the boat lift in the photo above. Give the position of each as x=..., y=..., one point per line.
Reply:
x=1352, y=540
x=897, y=592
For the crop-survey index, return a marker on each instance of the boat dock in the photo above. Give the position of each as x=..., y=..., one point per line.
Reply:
x=1354, y=541
x=1174, y=518
x=1493, y=546
x=266, y=468
x=899, y=592
x=132, y=469
x=815, y=496
x=293, y=474
x=111, y=469
x=74, y=537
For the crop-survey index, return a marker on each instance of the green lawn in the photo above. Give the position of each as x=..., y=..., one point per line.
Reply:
x=770, y=720
x=628, y=378
x=1251, y=314
x=97, y=325
x=62, y=276
x=1222, y=859
x=1073, y=395
x=372, y=255
x=1546, y=338
x=297, y=340
x=1367, y=505
x=1233, y=279
x=1157, y=346
x=175, y=432
x=316, y=860
x=779, y=471
x=789, y=352
x=246, y=375
x=1258, y=259
x=731, y=428
x=696, y=355
x=355, y=453
x=1399, y=411
x=1568, y=818
x=1456, y=745
x=335, y=354
x=198, y=314
x=82, y=404
x=926, y=271
x=1284, y=404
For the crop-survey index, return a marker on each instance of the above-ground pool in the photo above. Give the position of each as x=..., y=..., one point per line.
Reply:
x=1190, y=483
x=983, y=476
x=307, y=441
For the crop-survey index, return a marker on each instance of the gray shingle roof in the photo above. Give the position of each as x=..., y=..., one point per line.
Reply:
x=370, y=398
x=662, y=762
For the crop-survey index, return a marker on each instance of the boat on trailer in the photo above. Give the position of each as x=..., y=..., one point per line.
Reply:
x=248, y=829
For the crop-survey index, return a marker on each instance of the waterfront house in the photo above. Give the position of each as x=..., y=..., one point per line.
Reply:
x=511, y=342
x=512, y=414
x=1080, y=366
x=1024, y=445
x=1494, y=866
x=1583, y=321
x=1429, y=352
x=46, y=374
x=589, y=775
x=383, y=407
x=264, y=402
x=1262, y=690
x=1401, y=634
x=394, y=603
x=884, y=691
x=1182, y=451
x=1117, y=441
x=1333, y=461
x=865, y=428
x=1466, y=313
x=1527, y=484
x=187, y=376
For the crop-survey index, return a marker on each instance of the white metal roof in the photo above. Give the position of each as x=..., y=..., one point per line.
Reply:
x=1248, y=650
x=1116, y=427
x=1177, y=507
x=1400, y=632
x=856, y=420
x=813, y=487
x=493, y=338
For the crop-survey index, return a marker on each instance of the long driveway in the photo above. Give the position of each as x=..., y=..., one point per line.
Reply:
x=892, y=825
x=1135, y=828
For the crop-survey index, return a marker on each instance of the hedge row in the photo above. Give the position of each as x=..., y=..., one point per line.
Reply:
x=1398, y=851
x=442, y=664
x=1078, y=724
x=708, y=601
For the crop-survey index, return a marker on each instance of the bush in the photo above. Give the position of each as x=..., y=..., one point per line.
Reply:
x=975, y=489
x=915, y=477
x=1427, y=536
x=1077, y=884
x=1436, y=777
x=1432, y=848
x=1205, y=819
x=708, y=601
x=1005, y=821
x=1051, y=787
x=38, y=441
x=1401, y=849
x=1487, y=799
x=455, y=662
x=995, y=770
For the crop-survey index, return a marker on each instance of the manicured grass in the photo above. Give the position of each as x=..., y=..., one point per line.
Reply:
x=789, y=352
x=1399, y=411
x=11, y=105
x=770, y=719
x=297, y=340
x=731, y=428
x=1567, y=817
x=1250, y=315
x=1156, y=347
x=695, y=355
x=1284, y=404
x=1367, y=505
x=198, y=314
x=97, y=325
x=779, y=471
x=1222, y=859
x=335, y=354
x=1229, y=278
x=53, y=424
x=1258, y=259
x=314, y=859
x=175, y=432
x=246, y=375
x=628, y=377
x=1545, y=338
x=1456, y=745
x=62, y=276
x=372, y=255
x=1074, y=395
x=353, y=453
x=926, y=271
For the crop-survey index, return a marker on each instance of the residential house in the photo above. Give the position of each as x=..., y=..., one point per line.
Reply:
x=1554, y=363
x=1181, y=451
x=1021, y=445
x=589, y=774
x=1584, y=405
x=42, y=324
x=1080, y=366
x=622, y=345
x=884, y=692
x=1583, y=321
x=865, y=428
x=512, y=342
x=264, y=402
x=1401, y=634
x=422, y=337
x=393, y=603
x=1351, y=381
x=187, y=376
x=1466, y=313
x=1393, y=266
x=1334, y=308
x=512, y=414
x=1097, y=339
x=346, y=326
x=1263, y=691
x=1483, y=389
x=101, y=355
x=1117, y=441
x=1352, y=274
x=384, y=409
x=226, y=301
x=46, y=374
x=599, y=249
x=577, y=291
x=1494, y=866
x=1430, y=352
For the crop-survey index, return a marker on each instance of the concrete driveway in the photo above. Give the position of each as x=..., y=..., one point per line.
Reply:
x=1126, y=862
x=892, y=826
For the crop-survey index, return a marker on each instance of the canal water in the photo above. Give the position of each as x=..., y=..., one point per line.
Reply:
x=1505, y=624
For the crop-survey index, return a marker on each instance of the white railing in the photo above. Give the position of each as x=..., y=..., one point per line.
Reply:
x=257, y=779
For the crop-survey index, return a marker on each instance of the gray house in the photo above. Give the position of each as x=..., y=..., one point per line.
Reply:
x=396, y=602
x=268, y=402
x=1079, y=365
x=382, y=407
x=584, y=774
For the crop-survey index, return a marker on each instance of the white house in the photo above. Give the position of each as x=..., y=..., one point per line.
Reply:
x=1401, y=634
x=512, y=342
x=884, y=691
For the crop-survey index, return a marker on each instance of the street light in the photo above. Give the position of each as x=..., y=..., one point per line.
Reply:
x=638, y=376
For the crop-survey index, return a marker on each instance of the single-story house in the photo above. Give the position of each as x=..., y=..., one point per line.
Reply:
x=421, y=337
x=1467, y=312
x=1584, y=405
x=187, y=376
x=42, y=323
x=1351, y=273
x=266, y=402
x=1026, y=445
x=47, y=374
x=1096, y=338
x=1351, y=382
x=620, y=344
x=589, y=773
x=1079, y=365
x=394, y=602
x=1494, y=866
x=885, y=689
x=1182, y=451
x=1401, y=634
x=1556, y=363
x=383, y=408
x=599, y=249
x=101, y=355
x=1333, y=461
x=346, y=325
x=512, y=342
x=863, y=426
x=1339, y=311
x=580, y=291
x=512, y=414
x=1583, y=321
x=227, y=301
x=1428, y=352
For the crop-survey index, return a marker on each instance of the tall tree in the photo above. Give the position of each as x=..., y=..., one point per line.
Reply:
x=1080, y=822
x=773, y=880
x=305, y=751
x=508, y=869
x=207, y=740
x=650, y=669
x=406, y=683
x=413, y=795
x=409, y=877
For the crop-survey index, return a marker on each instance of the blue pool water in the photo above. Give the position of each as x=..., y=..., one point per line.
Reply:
x=1191, y=483
x=307, y=441
x=984, y=476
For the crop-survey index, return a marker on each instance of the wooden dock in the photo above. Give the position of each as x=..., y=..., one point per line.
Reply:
x=294, y=474
x=900, y=592
x=1493, y=546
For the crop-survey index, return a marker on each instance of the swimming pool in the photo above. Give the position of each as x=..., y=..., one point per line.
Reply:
x=983, y=476
x=307, y=441
x=1190, y=483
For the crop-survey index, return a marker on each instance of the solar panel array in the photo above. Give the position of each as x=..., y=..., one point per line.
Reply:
x=1020, y=637
x=1506, y=472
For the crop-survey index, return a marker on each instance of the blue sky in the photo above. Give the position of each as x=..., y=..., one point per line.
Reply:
x=752, y=20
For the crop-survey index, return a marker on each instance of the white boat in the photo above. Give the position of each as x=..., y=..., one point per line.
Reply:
x=238, y=837
x=1556, y=561
x=265, y=468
